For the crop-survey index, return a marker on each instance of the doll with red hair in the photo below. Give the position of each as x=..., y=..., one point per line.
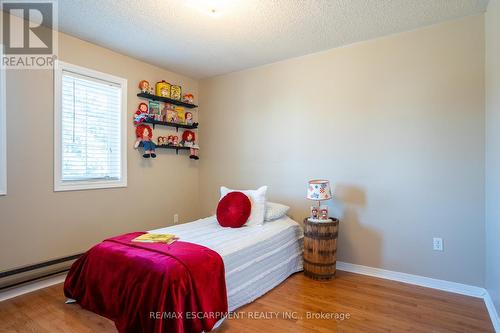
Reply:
x=188, y=140
x=144, y=86
x=144, y=134
x=141, y=114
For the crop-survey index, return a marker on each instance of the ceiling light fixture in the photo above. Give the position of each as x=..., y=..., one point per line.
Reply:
x=210, y=7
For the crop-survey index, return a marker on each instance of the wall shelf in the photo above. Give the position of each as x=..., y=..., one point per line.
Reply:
x=166, y=100
x=177, y=148
x=166, y=123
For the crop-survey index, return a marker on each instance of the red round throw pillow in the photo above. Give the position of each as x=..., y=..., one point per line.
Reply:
x=233, y=210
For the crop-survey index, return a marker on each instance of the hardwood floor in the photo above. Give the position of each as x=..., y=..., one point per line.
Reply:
x=373, y=305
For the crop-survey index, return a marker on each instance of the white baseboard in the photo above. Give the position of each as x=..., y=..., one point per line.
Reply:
x=423, y=281
x=418, y=280
x=32, y=286
x=495, y=319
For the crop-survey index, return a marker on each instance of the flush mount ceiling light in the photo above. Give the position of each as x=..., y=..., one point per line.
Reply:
x=209, y=7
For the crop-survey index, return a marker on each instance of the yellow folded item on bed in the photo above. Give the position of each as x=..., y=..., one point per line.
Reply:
x=155, y=238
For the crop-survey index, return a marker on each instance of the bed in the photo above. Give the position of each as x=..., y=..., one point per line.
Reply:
x=256, y=258
x=210, y=270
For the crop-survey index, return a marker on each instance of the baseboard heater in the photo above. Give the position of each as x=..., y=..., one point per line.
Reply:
x=26, y=274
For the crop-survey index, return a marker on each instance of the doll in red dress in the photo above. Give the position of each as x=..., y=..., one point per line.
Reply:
x=141, y=114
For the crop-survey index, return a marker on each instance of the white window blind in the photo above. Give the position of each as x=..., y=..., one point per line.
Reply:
x=91, y=144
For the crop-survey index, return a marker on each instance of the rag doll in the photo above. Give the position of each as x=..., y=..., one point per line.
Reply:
x=144, y=86
x=188, y=140
x=188, y=98
x=144, y=135
x=141, y=114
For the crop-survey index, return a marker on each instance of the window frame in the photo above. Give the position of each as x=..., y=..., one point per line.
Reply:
x=59, y=184
x=3, y=128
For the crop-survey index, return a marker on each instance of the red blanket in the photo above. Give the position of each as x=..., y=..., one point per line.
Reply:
x=150, y=287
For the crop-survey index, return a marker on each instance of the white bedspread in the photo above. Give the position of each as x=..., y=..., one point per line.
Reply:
x=256, y=258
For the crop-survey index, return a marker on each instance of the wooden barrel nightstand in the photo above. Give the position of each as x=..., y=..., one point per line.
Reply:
x=320, y=249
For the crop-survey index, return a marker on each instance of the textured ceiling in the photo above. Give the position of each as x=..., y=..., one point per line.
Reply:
x=185, y=37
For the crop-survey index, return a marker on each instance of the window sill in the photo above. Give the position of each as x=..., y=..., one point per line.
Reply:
x=88, y=185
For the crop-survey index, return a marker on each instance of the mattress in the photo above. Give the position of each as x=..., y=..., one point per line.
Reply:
x=256, y=258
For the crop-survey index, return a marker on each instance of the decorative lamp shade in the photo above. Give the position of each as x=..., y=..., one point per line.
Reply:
x=319, y=190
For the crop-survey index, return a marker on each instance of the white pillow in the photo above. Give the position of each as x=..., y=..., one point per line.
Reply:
x=258, y=201
x=275, y=211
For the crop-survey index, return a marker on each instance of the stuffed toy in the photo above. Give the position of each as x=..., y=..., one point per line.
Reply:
x=144, y=135
x=188, y=98
x=141, y=114
x=188, y=140
x=144, y=86
x=189, y=118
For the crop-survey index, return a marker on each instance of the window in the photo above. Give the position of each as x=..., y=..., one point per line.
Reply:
x=90, y=129
x=3, y=131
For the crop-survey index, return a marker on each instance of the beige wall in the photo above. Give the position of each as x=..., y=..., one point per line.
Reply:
x=397, y=125
x=493, y=151
x=37, y=224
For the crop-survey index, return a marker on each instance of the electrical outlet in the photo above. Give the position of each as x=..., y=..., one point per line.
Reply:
x=437, y=244
x=176, y=218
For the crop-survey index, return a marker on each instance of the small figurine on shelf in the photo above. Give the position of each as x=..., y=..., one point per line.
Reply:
x=162, y=141
x=170, y=140
x=144, y=134
x=141, y=114
x=144, y=86
x=188, y=140
x=188, y=98
x=175, y=140
x=189, y=118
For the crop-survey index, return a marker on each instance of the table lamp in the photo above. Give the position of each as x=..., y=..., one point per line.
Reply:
x=319, y=190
